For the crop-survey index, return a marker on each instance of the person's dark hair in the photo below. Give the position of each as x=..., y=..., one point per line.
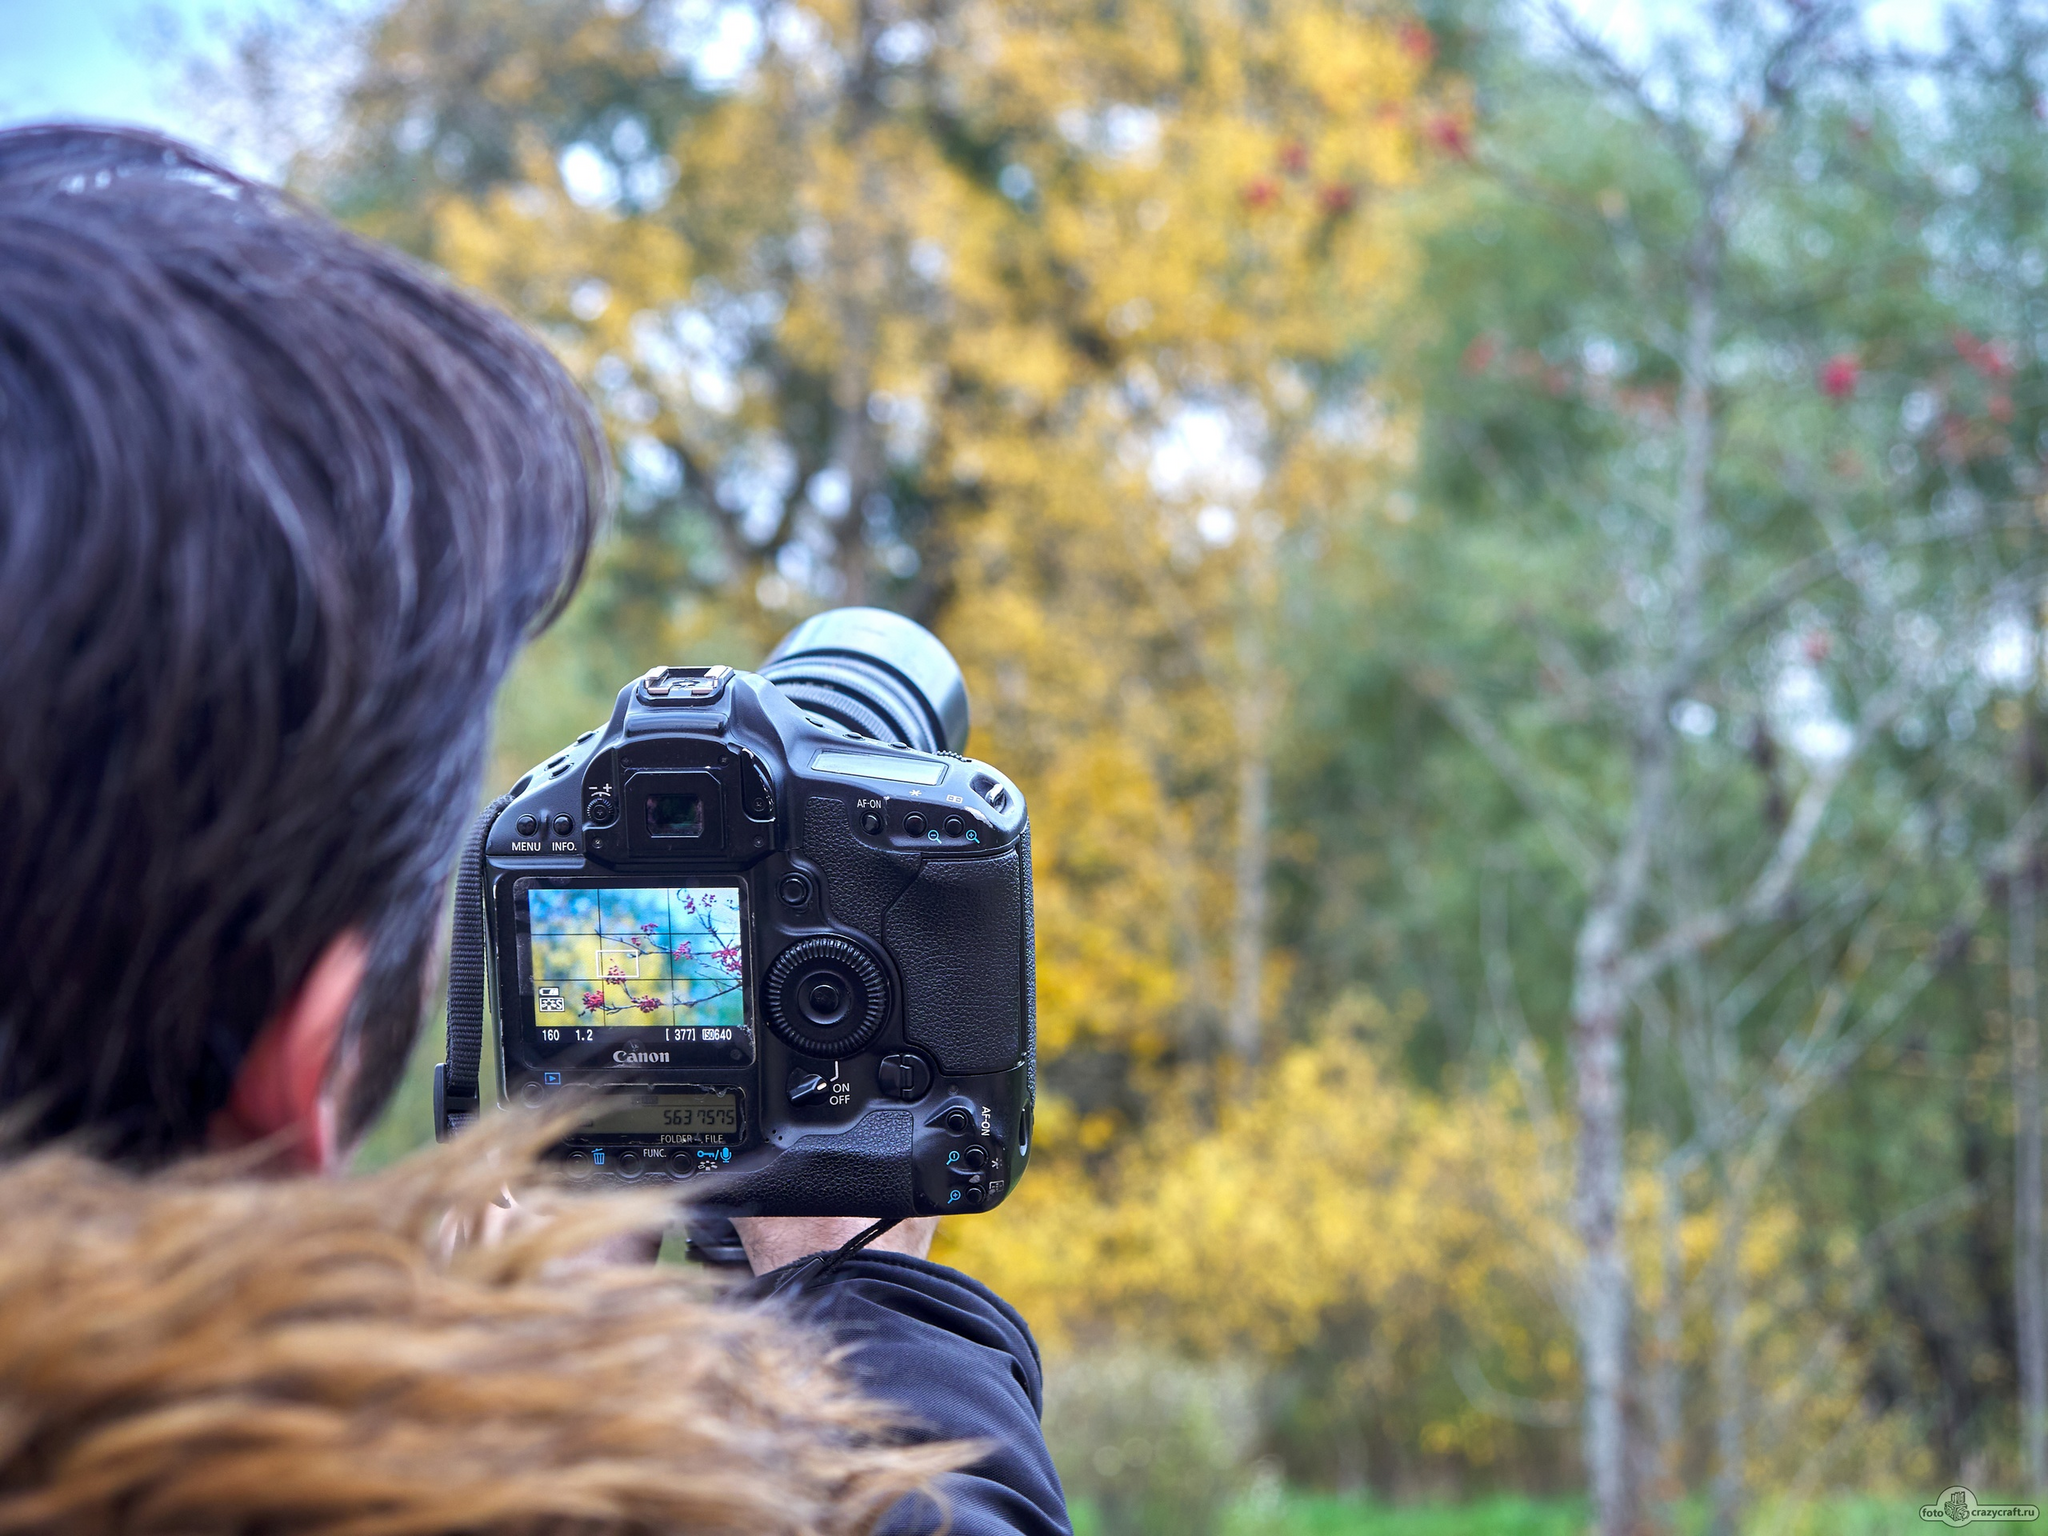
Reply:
x=277, y=508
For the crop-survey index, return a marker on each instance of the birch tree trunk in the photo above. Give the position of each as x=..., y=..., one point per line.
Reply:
x=1666, y=1383
x=1254, y=715
x=2028, y=1277
x=1731, y=1406
x=1603, y=1292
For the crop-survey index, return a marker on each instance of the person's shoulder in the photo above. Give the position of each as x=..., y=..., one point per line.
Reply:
x=355, y=1336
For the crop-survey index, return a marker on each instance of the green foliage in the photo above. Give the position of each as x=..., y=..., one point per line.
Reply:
x=1297, y=1514
x=1151, y=1446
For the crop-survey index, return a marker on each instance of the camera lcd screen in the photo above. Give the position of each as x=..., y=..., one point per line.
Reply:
x=660, y=957
x=873, y=765
x=672, y=1114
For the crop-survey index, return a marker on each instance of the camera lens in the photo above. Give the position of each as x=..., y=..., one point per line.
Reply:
x=877, y=674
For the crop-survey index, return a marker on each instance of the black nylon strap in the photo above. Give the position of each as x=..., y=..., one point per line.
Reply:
x=455, y=1080
x=822, y=1266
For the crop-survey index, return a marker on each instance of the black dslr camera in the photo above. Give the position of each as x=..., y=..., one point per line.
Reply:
x=771, y=930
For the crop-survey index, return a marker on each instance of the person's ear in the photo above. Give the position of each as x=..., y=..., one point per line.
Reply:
x=288, y=1088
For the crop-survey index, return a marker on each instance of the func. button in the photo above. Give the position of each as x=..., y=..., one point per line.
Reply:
x=527, y=826
x=914, y=824
x=955, y=827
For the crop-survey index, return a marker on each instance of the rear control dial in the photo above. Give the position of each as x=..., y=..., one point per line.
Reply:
x=827, y=997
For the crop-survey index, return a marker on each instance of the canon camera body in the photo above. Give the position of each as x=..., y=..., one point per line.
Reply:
x=772, y=931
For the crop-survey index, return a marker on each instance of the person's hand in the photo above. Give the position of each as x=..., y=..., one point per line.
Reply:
x=773, y=1241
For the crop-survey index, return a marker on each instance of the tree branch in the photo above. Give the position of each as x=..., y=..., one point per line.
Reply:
x=1775, y=879
x=1521, y=777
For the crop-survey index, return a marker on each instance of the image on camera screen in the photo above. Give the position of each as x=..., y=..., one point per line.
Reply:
x=642, y=956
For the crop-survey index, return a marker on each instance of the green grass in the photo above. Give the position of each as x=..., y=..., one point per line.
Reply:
x=1292, y=1513
x=1313, y=1514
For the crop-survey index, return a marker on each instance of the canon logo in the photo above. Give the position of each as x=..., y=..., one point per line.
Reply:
x=631, y=1058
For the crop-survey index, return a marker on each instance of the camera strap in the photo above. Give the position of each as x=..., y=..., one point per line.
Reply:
x=824, y=1265
x=456, y=1096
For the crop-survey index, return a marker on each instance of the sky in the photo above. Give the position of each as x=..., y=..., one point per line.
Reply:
x=101, y=59
x=107, y=59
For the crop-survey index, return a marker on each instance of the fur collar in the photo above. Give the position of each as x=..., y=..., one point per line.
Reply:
x=200, y=1351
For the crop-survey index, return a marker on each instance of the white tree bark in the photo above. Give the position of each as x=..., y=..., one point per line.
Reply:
x=1254, y=715
x=2028, y=1275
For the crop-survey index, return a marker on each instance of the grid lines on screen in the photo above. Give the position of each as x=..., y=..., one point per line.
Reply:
x=650, y=956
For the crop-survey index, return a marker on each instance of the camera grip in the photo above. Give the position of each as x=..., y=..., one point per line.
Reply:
x=861, y=882
x=864, y=1170
x=956, y=935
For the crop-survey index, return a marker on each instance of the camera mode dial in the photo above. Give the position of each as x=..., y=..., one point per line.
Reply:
x=827, y=997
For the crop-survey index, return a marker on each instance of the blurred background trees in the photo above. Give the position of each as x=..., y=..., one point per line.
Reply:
x=1510, y=571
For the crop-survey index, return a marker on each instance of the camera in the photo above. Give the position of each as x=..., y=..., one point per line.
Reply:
x=770, y=935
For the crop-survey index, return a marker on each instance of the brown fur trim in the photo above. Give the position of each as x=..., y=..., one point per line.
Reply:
x=201, y=1351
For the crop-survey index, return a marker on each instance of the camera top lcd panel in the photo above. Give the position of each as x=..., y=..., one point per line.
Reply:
x=768, y=950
